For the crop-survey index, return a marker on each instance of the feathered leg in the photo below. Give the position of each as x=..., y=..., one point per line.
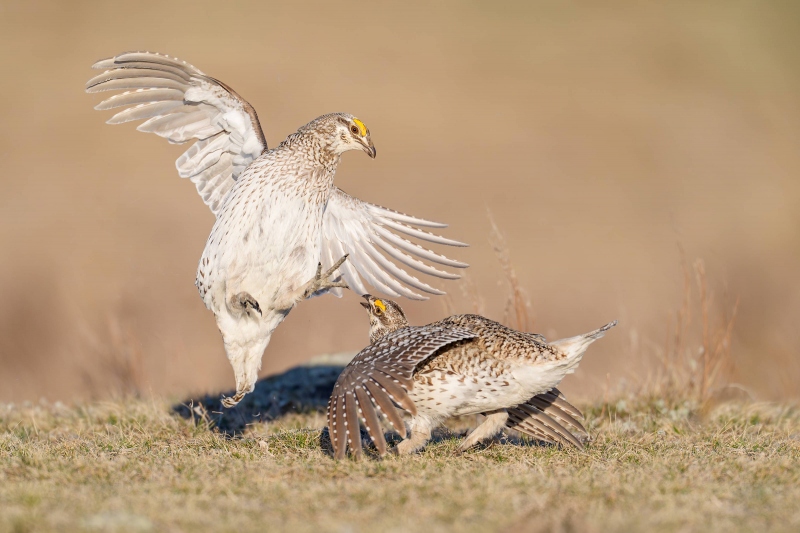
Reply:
x=245, y=358
x=421, y=427
x=495, y=420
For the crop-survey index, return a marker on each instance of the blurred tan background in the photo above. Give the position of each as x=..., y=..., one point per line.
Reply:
x=599, y=137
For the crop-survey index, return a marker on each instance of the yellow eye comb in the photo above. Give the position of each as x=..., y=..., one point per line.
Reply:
x=379, y=305
x=362, y=128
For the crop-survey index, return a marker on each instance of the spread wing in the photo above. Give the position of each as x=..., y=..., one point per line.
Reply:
x=548, y=417
x=369, y=233
x=379, y=377
x=180, y=103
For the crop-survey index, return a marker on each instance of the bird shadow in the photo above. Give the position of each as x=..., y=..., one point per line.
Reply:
x=302, y=389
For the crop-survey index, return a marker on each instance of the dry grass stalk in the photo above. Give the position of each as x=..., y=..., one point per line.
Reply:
x=517, y=310
x=697, y=358
x=469, y=290
x=119, y=362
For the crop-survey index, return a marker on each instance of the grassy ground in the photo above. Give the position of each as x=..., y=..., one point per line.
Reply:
x=135, y=466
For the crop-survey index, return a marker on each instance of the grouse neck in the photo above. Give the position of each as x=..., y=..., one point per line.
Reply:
x=379, y=330
x=308, y=146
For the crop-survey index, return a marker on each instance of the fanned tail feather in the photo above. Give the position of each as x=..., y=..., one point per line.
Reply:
x=549, y=417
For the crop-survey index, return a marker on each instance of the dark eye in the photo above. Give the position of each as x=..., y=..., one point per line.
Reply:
x=354, y=129
x=378, y=311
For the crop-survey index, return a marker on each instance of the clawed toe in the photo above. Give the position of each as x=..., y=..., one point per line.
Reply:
x=335, y=267
x=321, y=282
x=233, y=401
x=245, y=301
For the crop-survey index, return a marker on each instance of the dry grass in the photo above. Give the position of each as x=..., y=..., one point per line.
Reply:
x=665, y=456
x=134, y=467
x=696, y=362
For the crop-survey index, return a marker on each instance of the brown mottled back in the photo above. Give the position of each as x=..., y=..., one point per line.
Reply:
x=463, y=364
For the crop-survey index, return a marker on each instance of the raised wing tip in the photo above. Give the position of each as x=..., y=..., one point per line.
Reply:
x=106, y=63
x=436, y=292
x=418, y=297
x=111, y=62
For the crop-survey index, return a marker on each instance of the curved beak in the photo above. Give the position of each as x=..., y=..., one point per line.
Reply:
x=366, y=305
x=369, y=148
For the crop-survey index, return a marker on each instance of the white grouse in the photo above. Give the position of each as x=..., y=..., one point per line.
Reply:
x=280, y=219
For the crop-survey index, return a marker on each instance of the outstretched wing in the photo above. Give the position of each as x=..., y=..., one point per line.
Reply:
x=379, y=377
x=548, y=417
x=366, y=232
x=180, y=103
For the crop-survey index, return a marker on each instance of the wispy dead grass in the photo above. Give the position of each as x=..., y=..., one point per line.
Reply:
x=517, y=313
x=695, y=361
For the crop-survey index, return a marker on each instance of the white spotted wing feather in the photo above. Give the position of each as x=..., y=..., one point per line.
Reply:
x=379, y=377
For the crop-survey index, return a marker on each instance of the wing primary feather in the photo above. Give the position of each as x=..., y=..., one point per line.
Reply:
x=538, y=425
x=539, y=417
x=412, y=262
x=191, y=122
x=103, y=63
x=138, y=82
x=129, y=74
x=366, y=231
x=395, y=390
x=424, y=235
x=347, y=269
x=145, y=111
x=402, y=217
x=384, y=403
x=157, y=59
x=353, y=431
x=361, y=264
x=341, y=433
x=331, y=420
x=363, y=256
x=556, y=398
x=396, y=374
x=371, y=421
x=139, y=96
x=153, y=67
x=555, y=412
x=401, y=274
x=516, y=421
x=418, y=250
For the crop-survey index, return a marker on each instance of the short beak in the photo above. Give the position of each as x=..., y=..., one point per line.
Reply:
x=366, y=305
x=370, y=149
